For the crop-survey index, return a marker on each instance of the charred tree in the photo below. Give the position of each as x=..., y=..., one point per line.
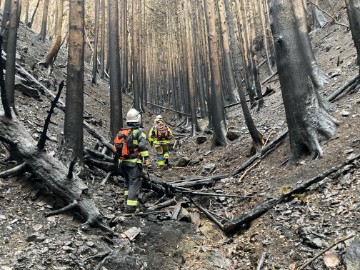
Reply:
x=11, y=54
x=73, y=126
x=42, y=34
x=353, y=10
x=190, y=73
x=95, y=52
x=254, y=133
x=227, y=55
x=53, y=173
x=216, y=103
x=103, y=34
x=4, y=99
x=317, y=76
x=56, y=44
x=114, y=57
x=308, y=119
x=319, y=19
x=33, y=15
x=26, y=20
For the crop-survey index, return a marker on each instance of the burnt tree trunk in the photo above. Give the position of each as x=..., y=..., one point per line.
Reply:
x=308, y=120
x=56, y=44
x=42, y=34
x=53, y=173
x=353, y=10
x=317, y=76
x=216, y=104
x=114, y=58
x=11, y=54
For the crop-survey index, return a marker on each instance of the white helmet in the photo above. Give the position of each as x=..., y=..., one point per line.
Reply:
x=158, y=117
x=133, y=116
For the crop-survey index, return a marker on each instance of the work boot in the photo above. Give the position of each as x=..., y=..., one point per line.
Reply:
x=130, y=209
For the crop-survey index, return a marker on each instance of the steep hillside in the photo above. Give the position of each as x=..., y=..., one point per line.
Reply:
x=290, y=233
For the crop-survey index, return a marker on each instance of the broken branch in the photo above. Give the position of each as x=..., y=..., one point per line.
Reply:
x=16, y=170
x=326, y=249
x=43, y=136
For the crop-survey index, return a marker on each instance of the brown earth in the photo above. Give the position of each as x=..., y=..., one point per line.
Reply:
x=290, y=233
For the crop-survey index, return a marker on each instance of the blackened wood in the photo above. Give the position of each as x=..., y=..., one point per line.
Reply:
x=246, y=218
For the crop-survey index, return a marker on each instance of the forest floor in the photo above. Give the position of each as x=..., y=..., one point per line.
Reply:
x=290, y=233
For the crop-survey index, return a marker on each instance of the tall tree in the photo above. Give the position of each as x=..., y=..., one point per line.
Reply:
x=227, y=55
x=254, y=133
x=73, y=127
x=5, y=23
x=6, y=15
x=265, y=36
x=11, y=54
x=103, y=34
x=26, y=20
x=95, y=52
x=56, y=43
x=216, y=104
x=353, y=11
x=114, y=58
x=34, y=13
x=189, y=62
x=308, y=119
x=318, y=77
x=42, y=34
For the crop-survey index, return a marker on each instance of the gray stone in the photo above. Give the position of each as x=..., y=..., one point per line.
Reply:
x=208, y=168
x=352, y=256
x=232, y=135
x=183, y=162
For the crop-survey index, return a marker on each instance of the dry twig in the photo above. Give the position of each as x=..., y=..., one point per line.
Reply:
x=326, y=249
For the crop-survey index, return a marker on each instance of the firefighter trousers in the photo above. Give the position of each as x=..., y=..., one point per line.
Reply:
x=132, y=184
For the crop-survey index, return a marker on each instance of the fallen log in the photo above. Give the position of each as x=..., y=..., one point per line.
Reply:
x=236, y=223
x=53, y=173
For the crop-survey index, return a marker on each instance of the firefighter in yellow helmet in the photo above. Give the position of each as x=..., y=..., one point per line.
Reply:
x=130, y=145
x=160, y=136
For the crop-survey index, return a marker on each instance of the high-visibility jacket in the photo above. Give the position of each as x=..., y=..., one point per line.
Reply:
x=153, y=135
x=139, y=140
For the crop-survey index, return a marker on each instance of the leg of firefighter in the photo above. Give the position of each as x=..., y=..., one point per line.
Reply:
x=160, y=156
x=134, y=187
x=126, y=182
x=166, y=154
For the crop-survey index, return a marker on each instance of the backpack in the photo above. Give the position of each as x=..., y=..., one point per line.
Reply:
x=124, y=144
x=162, y=132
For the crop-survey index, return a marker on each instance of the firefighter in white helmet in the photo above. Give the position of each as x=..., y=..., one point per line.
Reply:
x=130, y=145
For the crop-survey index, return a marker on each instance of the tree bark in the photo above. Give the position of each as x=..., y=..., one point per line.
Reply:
x=318, y=77
x=96, y=38
x=308, y=120
x=216, y=104
x=73, y=126
x=56, y=44
x=114, y=57
x=42, y=34
x=227, y=55
x=103, y=34
x=254, y=133
x=50, y=170
x=11, y=55
x=353, y=10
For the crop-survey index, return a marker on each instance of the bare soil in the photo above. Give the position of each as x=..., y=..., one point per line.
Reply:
x=290, y=233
